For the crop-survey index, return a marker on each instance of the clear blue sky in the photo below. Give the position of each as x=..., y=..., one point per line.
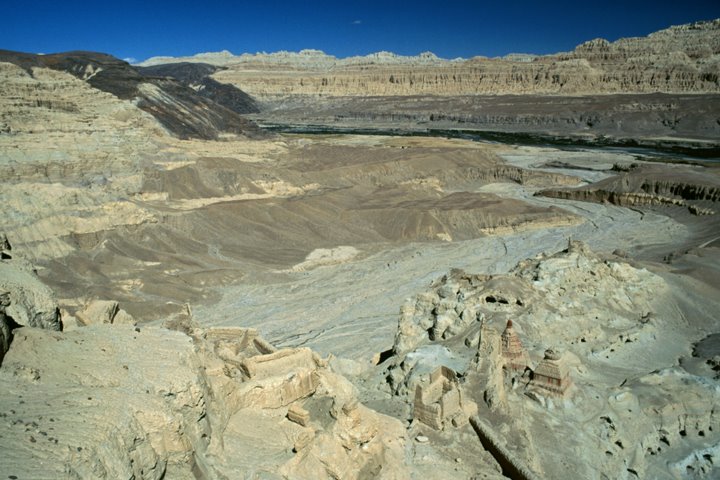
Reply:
x=449, y=28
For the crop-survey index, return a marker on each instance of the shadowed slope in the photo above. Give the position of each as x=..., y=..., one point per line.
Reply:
x=197, y=77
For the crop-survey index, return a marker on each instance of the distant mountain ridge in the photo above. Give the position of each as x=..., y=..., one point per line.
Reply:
x=303, y=57
x=310, y=57
x=678, y=59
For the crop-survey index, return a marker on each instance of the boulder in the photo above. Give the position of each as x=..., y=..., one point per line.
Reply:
x=98, y=311
x=104, y=311
x=30, y=302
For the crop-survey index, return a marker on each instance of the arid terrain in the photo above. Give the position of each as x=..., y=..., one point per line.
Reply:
x=296, y=266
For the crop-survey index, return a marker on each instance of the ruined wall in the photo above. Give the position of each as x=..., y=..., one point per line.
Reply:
x=264, y=366
x=512, y=467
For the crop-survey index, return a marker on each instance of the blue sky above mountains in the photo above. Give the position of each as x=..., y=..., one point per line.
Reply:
x=451, y=28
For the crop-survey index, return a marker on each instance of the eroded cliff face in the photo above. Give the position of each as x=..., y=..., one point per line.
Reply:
x=653, y=119
x=693, y=188
x=678, y=59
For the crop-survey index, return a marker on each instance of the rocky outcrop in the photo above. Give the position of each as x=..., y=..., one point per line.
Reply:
x=457, y=322
x=24, y=299
x=153, y=403
x=609, y=92
x=104, y=311
x=129, y=404
x=6, y=325
x=179, y=108
x=30, y=302
x=693, y=188
x=459, y=303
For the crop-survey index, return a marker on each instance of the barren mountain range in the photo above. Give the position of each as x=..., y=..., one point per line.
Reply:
x=296, y=266
x=676, y=60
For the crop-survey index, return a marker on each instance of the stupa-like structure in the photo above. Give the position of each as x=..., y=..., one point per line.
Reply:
x=515, y=356
x=552, y=373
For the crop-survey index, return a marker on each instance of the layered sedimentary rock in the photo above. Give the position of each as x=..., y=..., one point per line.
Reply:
x=693, y=188
x=678, y=59
x=654, y=119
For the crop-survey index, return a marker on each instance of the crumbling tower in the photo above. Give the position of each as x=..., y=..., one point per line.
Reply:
x=515, y=356
x=439, y=401
x=552, y=373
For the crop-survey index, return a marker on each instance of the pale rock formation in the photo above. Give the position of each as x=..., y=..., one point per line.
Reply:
x=307, y=57
x=29, y=302
x=136, y=409
x=439, y=315
x=81, y=173
x=489, y=363
x=614, y=322
x=677, y=59
x=327, y=432
x=155, y=403
x=6, y=325
x=416, y=366
x=604, y=311
x=123, y=318
x=298, y=415
x=104, y=311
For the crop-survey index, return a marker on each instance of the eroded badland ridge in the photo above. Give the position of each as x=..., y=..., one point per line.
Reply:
x=186, y=295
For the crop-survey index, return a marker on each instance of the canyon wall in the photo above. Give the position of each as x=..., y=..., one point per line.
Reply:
x=678, y=59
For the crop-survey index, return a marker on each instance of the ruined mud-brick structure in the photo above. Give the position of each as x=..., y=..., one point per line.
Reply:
x=267, y=377
x=439, y=400
x=233, y=344
x=552, y=373
x=513, y=353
